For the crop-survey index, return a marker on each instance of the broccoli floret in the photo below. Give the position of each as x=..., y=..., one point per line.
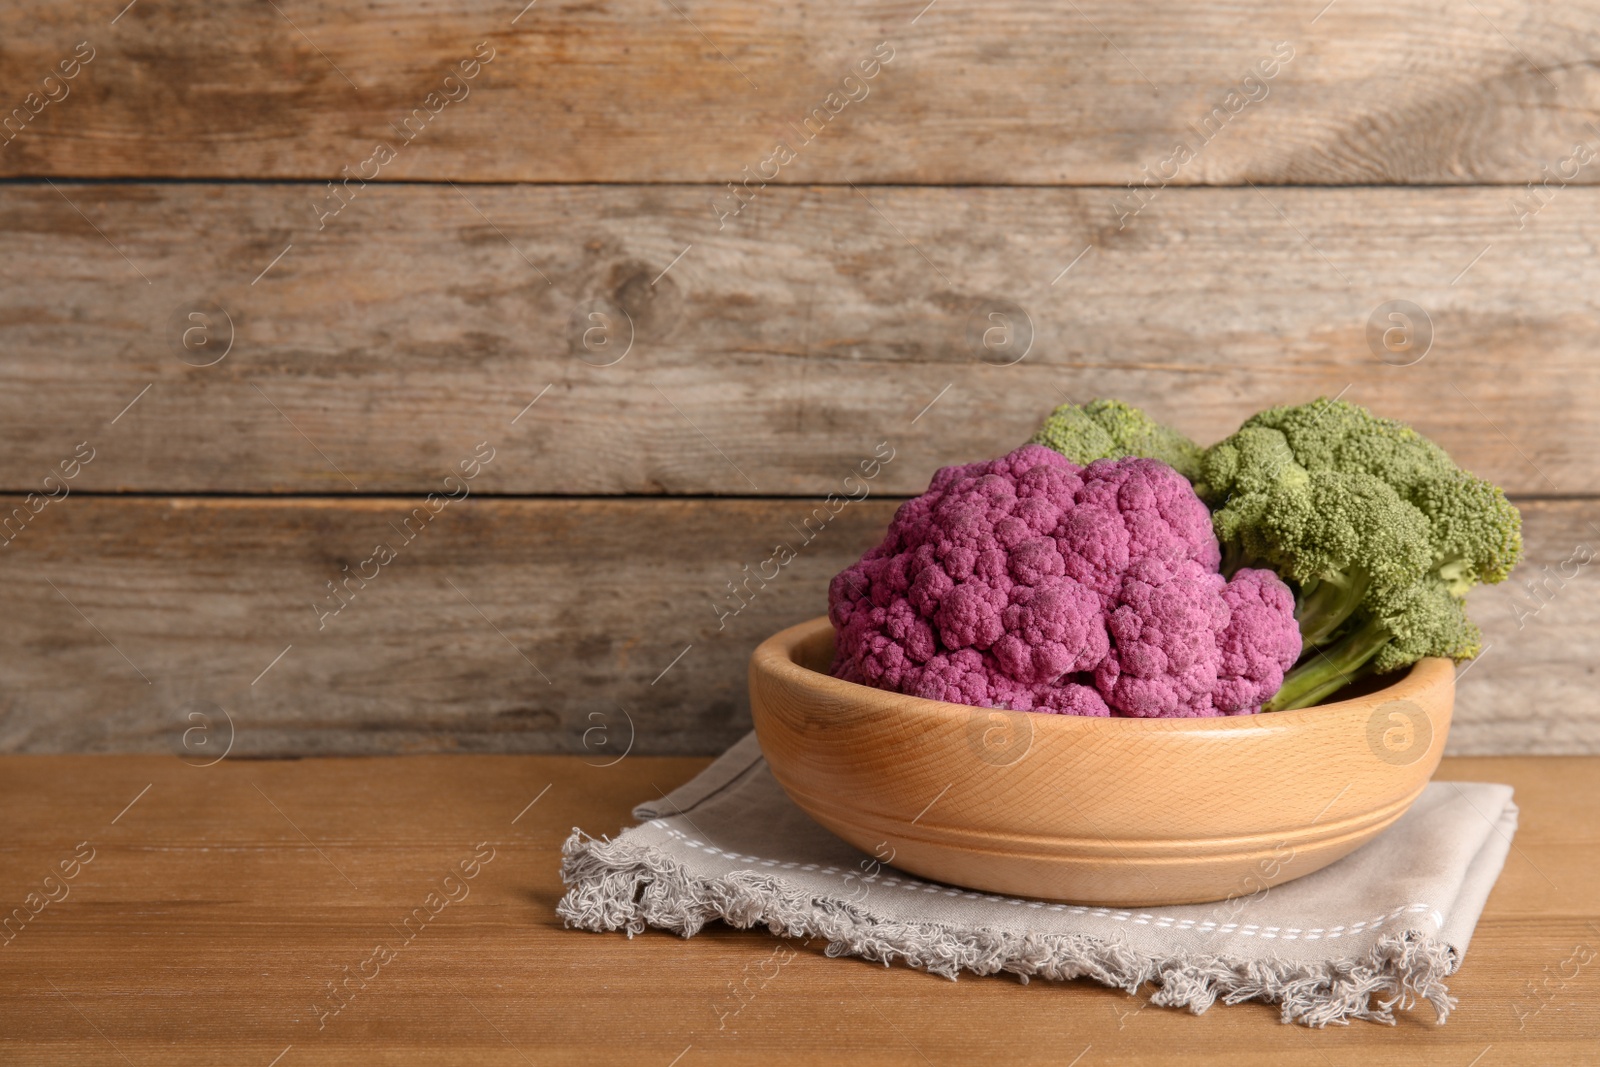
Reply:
x=1477, y=532
x=1110, y=429
x=1379, y=531
x=1427, y=620
x=1341, y=538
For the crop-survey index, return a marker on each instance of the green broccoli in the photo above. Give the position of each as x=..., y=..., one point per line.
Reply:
x=1378, y=530
x=1110, y=429
x=1423, y=620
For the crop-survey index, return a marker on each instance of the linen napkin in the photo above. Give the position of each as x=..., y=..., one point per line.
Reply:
x=1376, y=931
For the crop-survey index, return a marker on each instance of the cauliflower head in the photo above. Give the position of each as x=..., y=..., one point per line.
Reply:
x=1031, y=583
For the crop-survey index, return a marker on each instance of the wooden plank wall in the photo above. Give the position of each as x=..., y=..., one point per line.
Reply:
x=271, y=273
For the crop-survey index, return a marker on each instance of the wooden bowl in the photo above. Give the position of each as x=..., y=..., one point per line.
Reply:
x=1094, y=811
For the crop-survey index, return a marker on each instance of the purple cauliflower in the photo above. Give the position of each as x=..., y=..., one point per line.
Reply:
x=1030, y=583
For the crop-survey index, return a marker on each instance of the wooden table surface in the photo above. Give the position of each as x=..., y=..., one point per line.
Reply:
x=210, y=908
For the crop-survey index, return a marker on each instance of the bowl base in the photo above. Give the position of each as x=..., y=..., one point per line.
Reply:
x=1126, y=874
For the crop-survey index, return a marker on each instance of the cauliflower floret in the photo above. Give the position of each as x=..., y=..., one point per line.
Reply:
x=1167, y=627
x=1262, y=641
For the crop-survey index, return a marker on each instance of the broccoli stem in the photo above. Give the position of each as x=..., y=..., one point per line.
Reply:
x=1325, y=671
x=1324, y=604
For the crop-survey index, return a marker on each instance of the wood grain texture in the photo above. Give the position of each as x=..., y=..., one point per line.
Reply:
x=219, y=906
x=769, y=357
x=1533, y=687
x=1109, y=811
x=602, y=596
x=633, y=90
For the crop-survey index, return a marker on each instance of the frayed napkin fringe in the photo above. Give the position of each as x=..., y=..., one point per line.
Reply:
x=617, y=885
